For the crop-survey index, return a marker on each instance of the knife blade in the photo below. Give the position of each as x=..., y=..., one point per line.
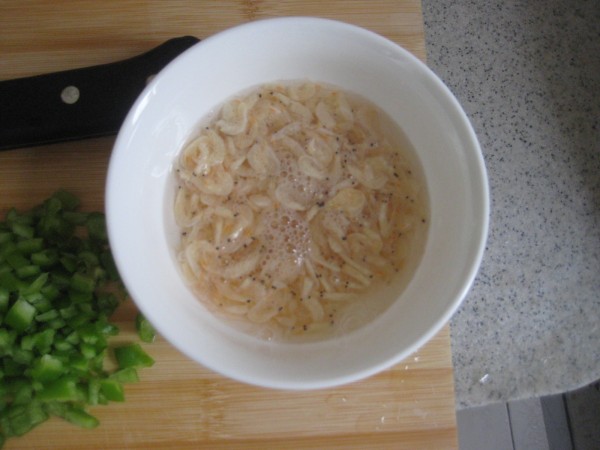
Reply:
x=79, y=103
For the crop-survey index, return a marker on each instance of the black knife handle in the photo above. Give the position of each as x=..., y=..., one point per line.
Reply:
x=80, y=103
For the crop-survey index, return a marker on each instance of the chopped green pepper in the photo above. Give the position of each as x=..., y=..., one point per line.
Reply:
x=57, y=290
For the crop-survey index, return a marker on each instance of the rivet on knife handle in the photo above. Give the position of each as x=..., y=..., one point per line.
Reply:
x=80, y=103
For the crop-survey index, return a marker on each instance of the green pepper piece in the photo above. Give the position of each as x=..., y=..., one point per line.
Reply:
x=24, y=421
x=29, y=246
x=27, y=342
x=46, y=316
x=82, y=283
x=10, y=282
x=20, y=315
x=62, y=345
x=27, y=271
x=87, y=350
x=112, y=390
x=21, y=356
x=144, y=328
x=68, y=311
x=55, y=408
x=108, y=263
x=23, y=231
x=75, y=217
x=4, y=297
x=127, y=375
x=69, y=262
x=81, y=418
x=93, y=391
x=88, y=334
x=88, y=259
x=21, y=392
x=96, y=226
x=107, y=328
x=47, y=368
x=72, y=338
x=107, y=303
x=81, y=297
x=60, y=390
x=43, y=340
x=5, y=427
x=36, y=285
x=7, y=341
x=16, y=260
x=6, y=249
x=5, y=236
x=68, y=201
x=97, y=362
x=50, y=292
x=45, y=258
x=56, y=324
x=132, y=355
x=79, y=364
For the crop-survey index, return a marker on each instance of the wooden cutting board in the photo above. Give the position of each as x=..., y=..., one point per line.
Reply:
x=179, y=404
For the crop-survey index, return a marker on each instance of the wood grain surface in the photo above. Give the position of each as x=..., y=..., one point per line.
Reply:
x=179, y=404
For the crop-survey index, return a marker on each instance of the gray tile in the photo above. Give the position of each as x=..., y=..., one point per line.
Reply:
x=485, y=427
x=557, y=422
x=527, y=425
x=583, y=409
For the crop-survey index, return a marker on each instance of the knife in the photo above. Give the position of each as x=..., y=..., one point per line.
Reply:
x=80, y=103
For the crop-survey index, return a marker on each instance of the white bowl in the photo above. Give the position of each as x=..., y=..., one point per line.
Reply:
x=139, y=195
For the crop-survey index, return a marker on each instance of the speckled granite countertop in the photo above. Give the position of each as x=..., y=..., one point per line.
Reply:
x=528, y=75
